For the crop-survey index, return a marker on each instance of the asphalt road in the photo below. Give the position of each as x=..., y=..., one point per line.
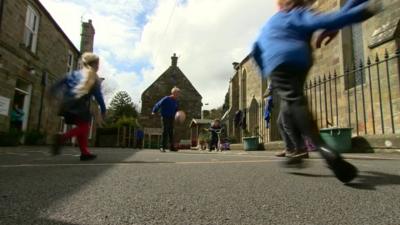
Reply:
x=191, y=187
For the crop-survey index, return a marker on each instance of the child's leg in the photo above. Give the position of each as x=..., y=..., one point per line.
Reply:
x=290, y=135
x=288, y=84
x=83, y=137
x=74, y=132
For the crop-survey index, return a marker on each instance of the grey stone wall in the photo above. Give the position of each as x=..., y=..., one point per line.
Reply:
x=50, y=57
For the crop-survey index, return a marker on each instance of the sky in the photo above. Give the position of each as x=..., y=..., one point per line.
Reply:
x=135, y=39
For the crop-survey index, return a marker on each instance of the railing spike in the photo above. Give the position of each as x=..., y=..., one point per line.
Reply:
x=386, y=53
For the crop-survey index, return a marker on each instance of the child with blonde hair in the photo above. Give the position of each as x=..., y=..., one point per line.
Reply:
x=77, y=89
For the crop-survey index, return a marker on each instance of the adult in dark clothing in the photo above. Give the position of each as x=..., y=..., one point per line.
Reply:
x=17, y=117
x=214, y=129
x=168, y=106
x=77, y=89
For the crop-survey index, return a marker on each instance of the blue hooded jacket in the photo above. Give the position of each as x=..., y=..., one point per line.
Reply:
x=72, y=106
x=285, y=38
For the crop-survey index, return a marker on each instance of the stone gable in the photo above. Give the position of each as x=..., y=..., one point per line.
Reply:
x=189, y=100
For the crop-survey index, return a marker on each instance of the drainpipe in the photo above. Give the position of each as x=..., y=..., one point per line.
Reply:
x=43, y=85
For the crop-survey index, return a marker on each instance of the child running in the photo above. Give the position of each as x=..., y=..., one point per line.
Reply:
x=77, y=89
x=283, y=52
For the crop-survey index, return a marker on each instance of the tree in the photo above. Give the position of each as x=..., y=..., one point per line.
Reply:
x=225, y=106
x=216, y=113
x=122, y=106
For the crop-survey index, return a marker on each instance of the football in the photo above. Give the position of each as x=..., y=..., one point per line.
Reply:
x=180, y=116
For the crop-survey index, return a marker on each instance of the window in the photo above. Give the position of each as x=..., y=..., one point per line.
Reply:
x=62, y=127
x=1, y=12
x=244, y=89
x=70, y=62
x=31, y=29
x=356, y=75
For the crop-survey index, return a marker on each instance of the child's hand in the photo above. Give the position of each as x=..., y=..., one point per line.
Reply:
x=327, y=34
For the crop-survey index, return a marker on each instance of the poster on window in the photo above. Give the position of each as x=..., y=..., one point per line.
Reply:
x=4, y=106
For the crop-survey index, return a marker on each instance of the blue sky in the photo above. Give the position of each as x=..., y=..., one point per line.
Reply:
x=136, y=38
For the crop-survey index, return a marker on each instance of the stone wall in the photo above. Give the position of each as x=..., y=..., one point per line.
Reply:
x=19, y=63
x=338, y=58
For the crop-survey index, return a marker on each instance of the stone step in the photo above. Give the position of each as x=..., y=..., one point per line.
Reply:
x=274, y=146
x=237, y=147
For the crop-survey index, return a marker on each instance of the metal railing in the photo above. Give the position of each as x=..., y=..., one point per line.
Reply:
x=366, y=97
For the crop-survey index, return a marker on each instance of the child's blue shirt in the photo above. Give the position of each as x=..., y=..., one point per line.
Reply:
x=168, y=106
x=75, y=78
x=285, y=38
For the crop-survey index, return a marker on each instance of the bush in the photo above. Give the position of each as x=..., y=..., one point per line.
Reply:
x=153, y=144
x=232, y=140
x=11, y=138
x=34, y=137
x=204, y=138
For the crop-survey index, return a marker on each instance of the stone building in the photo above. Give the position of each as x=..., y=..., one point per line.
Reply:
x=34, y=53
x=354, y=81
x=189, y=101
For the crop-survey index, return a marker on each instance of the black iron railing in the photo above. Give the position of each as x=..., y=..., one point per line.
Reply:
x=366, y=97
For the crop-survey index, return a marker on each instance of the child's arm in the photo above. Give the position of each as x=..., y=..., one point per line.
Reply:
x=331, y=34
x=257, y=55
x=158, y=105
x=326, y=34
x=310, y=21
x=100, y=99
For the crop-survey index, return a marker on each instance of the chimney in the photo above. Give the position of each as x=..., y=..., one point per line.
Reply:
x=87, y=37
x=174, y=60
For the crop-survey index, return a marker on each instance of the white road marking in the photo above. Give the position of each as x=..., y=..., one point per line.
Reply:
x=132, y=163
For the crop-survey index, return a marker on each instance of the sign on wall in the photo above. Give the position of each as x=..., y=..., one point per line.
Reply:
x=4, y=106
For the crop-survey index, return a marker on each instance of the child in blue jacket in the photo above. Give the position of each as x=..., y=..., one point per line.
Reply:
x=168, y=106
x=77, y=90
x=283, y=52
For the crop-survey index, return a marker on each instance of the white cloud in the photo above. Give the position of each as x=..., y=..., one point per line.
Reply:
x=208, y=35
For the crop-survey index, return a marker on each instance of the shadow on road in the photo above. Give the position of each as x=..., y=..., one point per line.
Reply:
x=370, y=180
x=310, y=175
x=366, y=181
x=28, y=193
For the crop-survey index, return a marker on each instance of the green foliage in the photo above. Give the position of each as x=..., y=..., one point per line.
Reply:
x=213, y=113
x=204, y=137
x=153, y=144
x=127, y=121
x=34, y=137
x=246, y=133
x=122, y=106
x=225, y=106
x=232, y=140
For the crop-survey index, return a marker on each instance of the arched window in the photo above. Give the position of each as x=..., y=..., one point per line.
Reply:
x=243, y=85
x=254, y=117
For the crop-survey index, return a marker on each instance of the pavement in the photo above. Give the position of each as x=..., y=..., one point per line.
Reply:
x=125, y=186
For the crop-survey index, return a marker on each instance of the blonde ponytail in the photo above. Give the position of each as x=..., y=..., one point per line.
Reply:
x=90, y=63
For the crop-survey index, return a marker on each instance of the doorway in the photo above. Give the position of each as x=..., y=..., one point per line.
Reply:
x=22, y=100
